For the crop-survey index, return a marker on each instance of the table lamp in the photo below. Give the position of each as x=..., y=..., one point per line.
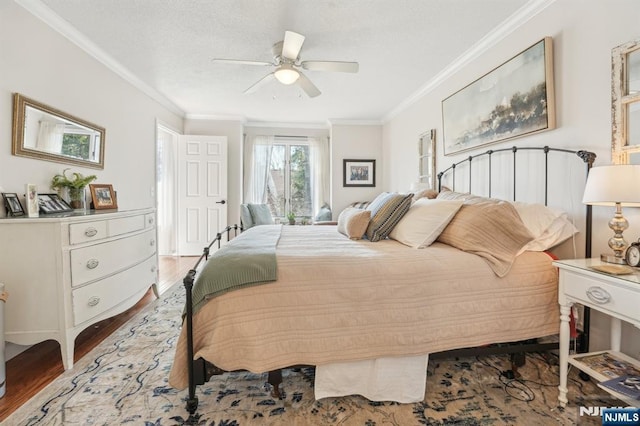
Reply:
x=614, y=185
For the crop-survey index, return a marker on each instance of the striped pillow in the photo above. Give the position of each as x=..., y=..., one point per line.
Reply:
x=386, y=211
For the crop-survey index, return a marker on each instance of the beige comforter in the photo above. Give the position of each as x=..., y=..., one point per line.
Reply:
x=341, y=300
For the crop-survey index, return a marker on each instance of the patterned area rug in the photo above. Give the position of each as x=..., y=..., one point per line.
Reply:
x=124, y=381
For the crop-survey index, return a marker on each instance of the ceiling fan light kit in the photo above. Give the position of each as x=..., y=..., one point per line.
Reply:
x=286, y=74
x=286, y=60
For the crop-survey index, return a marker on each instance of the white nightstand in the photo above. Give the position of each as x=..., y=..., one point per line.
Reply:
x=615, y=295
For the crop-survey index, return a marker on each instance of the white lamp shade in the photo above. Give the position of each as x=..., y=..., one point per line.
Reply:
x=608, y=185
x=286, y=74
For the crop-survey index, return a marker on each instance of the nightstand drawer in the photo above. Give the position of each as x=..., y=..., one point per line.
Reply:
x=603, y=295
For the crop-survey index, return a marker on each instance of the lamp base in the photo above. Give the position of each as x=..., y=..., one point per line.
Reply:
x=609, y=258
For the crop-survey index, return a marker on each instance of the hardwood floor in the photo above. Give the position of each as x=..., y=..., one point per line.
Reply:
x=33, y=369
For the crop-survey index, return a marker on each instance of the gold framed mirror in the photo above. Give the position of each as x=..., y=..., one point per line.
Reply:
x=625, y=103
x=46, y=133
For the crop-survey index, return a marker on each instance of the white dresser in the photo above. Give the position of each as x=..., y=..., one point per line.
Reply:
x=65, y=273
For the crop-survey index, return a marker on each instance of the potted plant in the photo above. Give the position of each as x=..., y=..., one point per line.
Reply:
x=292, y=218
x=75, y=185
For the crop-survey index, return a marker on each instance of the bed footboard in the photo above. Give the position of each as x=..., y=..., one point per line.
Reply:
x=197, y=369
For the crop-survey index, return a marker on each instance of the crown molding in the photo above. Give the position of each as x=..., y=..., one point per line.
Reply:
x=509, y=25
x=216, y=117
x=46, y=15
x=295, y=125
x=339, y=122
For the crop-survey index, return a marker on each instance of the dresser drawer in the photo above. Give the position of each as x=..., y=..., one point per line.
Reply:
x=150, y=220
x=605, y=296
x=96, y=298
x=96, y=261
x=87, y=231
x=125, y=225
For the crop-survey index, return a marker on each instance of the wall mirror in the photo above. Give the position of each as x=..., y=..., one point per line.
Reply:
x=45, y=133
x=625, y=103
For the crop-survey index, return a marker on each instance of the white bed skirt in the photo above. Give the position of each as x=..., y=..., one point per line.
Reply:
x=384, y=379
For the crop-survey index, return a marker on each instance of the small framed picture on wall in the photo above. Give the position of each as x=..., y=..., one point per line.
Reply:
x=359, y=173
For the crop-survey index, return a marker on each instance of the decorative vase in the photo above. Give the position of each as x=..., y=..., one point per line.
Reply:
x=77, y=198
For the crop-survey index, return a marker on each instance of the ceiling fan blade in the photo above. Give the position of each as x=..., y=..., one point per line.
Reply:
x=264, y=80
x=241, y=62
x=292, y=45
x=335, y=66
x=309, y=88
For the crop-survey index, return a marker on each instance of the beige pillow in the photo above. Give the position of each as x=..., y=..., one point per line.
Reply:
x=492, y=230
x=425, y=193
x=353, y=222
x=424, y=222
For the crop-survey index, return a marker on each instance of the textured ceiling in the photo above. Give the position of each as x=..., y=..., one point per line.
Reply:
x=169, y=45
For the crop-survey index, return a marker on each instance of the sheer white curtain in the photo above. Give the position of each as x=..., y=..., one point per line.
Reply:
x=50, y=136
x=320, y=178
x=257, y=161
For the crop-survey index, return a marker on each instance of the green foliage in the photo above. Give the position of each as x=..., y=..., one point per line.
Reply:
x=291, y=216
x=76, y=146
x=75, y=181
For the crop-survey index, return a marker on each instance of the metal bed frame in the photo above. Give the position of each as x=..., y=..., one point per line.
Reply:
x=517, y=350
x=200, y=370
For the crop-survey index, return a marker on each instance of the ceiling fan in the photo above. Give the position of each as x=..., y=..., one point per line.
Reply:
x=287, y=65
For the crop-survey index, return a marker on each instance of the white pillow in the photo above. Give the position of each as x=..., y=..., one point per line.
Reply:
x=424, y=222
x=548, y=226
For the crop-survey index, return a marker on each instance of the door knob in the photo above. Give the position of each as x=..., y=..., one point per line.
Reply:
x=221, y=202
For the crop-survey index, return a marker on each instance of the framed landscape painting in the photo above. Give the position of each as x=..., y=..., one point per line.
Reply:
x=513, y=100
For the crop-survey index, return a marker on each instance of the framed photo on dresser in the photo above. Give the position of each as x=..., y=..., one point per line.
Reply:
x=52, y=203
x=103, y=196
x=12, y=204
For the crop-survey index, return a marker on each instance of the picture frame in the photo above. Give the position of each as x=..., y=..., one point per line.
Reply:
x=359, y=173
x=103, y=196
x=513, y=100
x=31, y=200
x=12, y=204
x=52, y=204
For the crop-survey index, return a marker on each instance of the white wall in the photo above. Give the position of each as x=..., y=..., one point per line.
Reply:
x=584, y=32
x=41, y=64
x=360, y=142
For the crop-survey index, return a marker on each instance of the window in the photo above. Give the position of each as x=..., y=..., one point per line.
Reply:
x=427, y=159
x=290, y=174
x=289, y=186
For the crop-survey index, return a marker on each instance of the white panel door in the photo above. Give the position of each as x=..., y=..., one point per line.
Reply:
x=202, y=191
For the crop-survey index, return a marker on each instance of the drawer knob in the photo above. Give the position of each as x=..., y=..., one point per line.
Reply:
x=153, y=268
x=152, y=243
x=93, y=301
x=598, y=295
x=150, y=221
x=90, y=232
x=92, y=263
